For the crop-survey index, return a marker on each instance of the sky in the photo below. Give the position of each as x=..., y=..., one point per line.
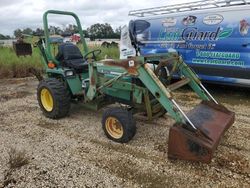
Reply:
x=28, y=13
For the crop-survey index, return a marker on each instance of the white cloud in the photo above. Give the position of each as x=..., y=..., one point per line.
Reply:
x=28, y=13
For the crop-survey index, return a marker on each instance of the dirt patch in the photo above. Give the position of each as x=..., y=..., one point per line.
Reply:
x=161, y=147
x=143, y=178
x=48, y=125
x=2, y=115
x=235, y=162
x=13, y=95
x=125, y=150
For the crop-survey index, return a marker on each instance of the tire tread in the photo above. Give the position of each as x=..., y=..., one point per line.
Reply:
x=61, y=97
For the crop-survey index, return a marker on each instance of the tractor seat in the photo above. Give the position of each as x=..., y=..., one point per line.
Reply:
x=70, y=56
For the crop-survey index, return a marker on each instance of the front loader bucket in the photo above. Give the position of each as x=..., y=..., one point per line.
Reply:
x=22, y=48
x=212, y=121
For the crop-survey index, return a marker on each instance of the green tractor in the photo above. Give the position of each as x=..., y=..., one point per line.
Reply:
x=140, y=85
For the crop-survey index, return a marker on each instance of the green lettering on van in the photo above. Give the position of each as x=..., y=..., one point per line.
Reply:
x=220, y=55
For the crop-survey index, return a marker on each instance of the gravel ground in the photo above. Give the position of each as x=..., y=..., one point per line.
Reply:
x=74, y=152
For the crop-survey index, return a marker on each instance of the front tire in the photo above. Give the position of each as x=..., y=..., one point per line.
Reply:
x=118, y=125
x=53, y=98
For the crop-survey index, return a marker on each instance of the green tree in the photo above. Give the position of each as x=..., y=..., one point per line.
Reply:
x=117, y=33
x=100, y=31
x=4, y=37
x=18, y=33
x=58, y=31
x=75, y=29
x=71, y=28
x=85, y=33
x=27, y=31
x=38, y=32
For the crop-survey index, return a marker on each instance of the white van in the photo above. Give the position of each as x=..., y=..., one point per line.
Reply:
x=212, y=36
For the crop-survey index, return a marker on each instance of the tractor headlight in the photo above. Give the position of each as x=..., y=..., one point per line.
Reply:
x=69, y=73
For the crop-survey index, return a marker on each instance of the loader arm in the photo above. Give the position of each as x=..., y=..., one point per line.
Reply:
x=161, y=93
x=208, y=120
x=164, y=95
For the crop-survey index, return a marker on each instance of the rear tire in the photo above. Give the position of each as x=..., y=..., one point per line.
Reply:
x=118, y=125
x=53, y=98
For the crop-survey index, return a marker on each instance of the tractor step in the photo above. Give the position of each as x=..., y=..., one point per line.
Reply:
x=178, y=84
x=211, y=120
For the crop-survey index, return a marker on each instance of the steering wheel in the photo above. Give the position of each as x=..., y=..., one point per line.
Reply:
x=94, y=53
x=161, y=72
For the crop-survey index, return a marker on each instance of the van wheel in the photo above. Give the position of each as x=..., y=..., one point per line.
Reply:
x=118, y=125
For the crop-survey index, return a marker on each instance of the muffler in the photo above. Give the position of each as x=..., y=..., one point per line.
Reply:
x=211, y=121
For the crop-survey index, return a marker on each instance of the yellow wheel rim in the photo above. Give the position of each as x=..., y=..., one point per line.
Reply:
x=114, y=127
x=47, y=100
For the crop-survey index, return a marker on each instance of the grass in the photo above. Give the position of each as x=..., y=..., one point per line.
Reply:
x=12, y=66
x=107, y=52
x=17, y=159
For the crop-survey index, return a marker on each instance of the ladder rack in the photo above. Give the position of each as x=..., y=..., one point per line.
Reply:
x=197, y=5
